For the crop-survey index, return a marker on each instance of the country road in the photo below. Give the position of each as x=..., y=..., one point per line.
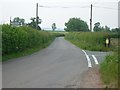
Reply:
x=60, y=65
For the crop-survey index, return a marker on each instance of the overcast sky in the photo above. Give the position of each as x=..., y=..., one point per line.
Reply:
x=104, y=11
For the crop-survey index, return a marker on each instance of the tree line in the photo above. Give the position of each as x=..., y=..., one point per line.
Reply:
x=73, y=25
x=76, y=24
x=17, y=21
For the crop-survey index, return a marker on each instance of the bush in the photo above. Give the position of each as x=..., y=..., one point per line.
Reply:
x=17, y=39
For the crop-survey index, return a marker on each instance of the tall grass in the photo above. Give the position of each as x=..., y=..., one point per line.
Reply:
x=94, y=41
x=109, y=70
x=110, y=67
x=19, y=39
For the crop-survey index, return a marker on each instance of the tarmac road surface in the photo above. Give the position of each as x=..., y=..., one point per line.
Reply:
x=60, y=65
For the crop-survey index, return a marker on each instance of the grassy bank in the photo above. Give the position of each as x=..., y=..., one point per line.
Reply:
x=25, y=52
x=109, y=70
x=21, y=41
x=96, y=42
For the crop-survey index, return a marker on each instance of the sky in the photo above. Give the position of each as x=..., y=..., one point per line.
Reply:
x=104, y=11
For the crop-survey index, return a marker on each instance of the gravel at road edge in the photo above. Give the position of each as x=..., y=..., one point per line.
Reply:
x=92, y=79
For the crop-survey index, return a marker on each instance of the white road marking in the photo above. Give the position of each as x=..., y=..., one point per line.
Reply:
x=88, y=59
x=95, y=59
x=84, y=52
x=89, y=62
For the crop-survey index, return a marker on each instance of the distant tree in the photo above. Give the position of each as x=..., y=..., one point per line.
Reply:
x=33, y=23
x=116, y=30
x=76, y=24
x=18, y=22
x=97, y=27
x=105, y=29
x=53, y=26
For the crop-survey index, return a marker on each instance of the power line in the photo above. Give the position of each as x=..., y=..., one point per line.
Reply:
x=106, y=7
x=63, y=6
x=77, y=7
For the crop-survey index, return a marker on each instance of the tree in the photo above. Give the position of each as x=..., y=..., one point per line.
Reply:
x=97, y=27
x=18, y=22
x=107, y=29
x=116, y=30
x=76, y=24
x=53, y=26
x=33, y=23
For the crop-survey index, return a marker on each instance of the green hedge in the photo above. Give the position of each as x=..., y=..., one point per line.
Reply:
x=17, y=39
x=88, y=40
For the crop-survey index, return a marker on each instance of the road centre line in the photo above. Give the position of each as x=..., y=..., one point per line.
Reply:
x=95, y=59
x=88, y=59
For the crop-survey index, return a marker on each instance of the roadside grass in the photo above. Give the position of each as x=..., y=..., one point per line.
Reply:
x=95, y=41
x=110, y=67
x=26, y=52
x=109, y=71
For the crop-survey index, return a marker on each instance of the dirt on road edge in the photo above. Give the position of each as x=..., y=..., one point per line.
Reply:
x=92, y=79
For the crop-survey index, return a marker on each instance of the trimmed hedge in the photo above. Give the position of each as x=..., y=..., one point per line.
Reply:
x=17, y=39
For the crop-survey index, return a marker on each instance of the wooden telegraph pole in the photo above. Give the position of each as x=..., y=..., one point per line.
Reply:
x=91, y=19
x=37, y=16
x=10, y=21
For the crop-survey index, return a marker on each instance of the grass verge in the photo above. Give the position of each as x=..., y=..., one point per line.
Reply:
x=93, y=41
x=25, y=52
x=109, y=71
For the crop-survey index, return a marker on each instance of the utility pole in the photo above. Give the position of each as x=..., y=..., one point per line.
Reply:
x=91, y=19
x=10, y=21
x=119, y=14
x=37, y=16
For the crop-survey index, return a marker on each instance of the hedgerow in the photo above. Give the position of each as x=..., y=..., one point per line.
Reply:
x=17, y=39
